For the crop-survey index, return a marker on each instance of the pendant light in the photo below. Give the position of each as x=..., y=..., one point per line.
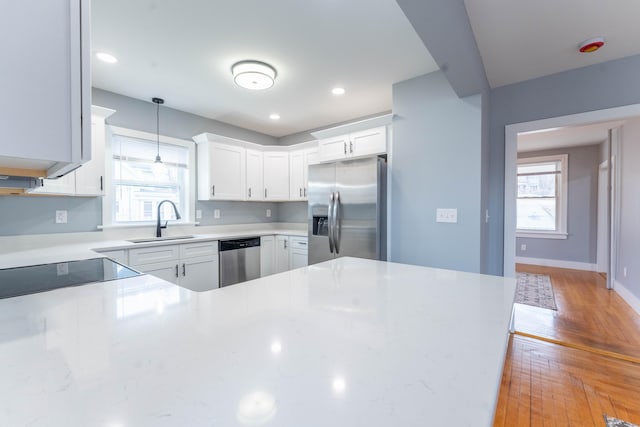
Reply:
x=158, y=101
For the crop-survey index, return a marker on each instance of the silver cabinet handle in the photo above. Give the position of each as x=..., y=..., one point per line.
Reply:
x=351, y=147
x=184, y=269
x=285, y=244
x=302, y=243
x=301, y=192
x=249, y=191
x=265, y=193
x=177, y=271
x=330, y=221
x=213, y=190
x=305, y=192
x=101, y=184
x=345, y=148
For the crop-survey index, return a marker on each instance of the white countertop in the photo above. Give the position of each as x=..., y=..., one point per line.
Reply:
x=61, y=250
x=348, y=342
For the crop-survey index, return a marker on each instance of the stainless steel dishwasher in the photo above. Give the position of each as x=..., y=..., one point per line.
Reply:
x=239, y=260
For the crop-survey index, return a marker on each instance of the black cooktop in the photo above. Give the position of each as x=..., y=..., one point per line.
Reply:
x=46, y=277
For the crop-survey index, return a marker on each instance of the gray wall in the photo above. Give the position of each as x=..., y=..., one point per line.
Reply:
x=141, y=115
x=629, y=243
x=35, y=215
x=237, y=212
x=436, y=163
x=582, y=210
x=565, y=93
x=292, y=212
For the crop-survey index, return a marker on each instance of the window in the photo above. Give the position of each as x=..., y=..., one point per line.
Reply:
x=542, y=197
x=136, y=184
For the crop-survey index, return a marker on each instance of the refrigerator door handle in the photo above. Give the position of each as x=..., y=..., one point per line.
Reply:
x=336, y=222
x=330, y=221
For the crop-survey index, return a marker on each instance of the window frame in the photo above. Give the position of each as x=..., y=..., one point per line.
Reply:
x=562, y=192
x=188, y=216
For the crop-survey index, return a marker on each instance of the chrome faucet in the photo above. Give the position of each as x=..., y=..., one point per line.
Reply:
x=160, y=227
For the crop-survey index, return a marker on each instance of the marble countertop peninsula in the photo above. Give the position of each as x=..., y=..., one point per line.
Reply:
x=348, y=342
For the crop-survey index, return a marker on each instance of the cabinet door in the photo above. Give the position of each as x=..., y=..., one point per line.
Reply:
x=199, y=274
x=281, y=254
x=267, y=260
x=311, y=157
x=368, y=142
x=63, y=186
x=298, y=259
x=227, y=171
x=333, y=148
x=297, y=174
x=90, y=176
x=167, y=270
x=50, y=88
x=276, y=175
x=255, y=186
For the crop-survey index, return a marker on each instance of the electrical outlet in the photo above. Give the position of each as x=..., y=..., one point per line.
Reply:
x=268, y=213
x=216, y=213
x=198, y=214
x=523, y=247
x=447, y=215
x=61, y=217
x=624, y=272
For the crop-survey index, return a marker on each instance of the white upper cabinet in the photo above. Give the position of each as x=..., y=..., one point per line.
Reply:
x=357, y=144
x=221, y=171
x=299, y=162
x=255, y=184
x=45, y=78
x=276, y=175
x=88, y=179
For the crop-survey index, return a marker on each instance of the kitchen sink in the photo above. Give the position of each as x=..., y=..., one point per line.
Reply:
x=160, y=239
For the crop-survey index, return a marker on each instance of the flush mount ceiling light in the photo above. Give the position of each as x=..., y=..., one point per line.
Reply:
x=254, y=75
x=591, y=45
x=337, y=91
x=106, y=57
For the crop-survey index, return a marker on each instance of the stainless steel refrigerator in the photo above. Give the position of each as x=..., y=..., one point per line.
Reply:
x=347, y=209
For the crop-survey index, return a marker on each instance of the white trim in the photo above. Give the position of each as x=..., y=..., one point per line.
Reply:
x=510, y=165
x=627, y=296
x=370, y=123
x=107, y=201
x=542, y=235
x=573, y=265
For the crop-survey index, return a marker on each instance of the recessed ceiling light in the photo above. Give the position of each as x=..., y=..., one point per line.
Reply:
x=274, y=116
x=253, y=75
x=337, y=91
x=106, y=57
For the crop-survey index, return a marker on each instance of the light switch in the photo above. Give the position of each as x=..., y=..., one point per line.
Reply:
x=216, y=213
x=198, y=214
x=61, y=217
x=268, y=213
x=447, y=215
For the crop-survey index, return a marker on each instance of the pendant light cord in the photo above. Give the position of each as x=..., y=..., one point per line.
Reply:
x=158, y=101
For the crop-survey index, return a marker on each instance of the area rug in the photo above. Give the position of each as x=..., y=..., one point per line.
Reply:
x=614, y=422
x=536, y=290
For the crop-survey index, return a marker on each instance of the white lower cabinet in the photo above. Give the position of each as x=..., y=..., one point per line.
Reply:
x=267, y=260
x=298, y=252
x=192, y=265
x=281, y=254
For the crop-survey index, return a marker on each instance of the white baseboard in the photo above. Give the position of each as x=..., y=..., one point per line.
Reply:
x=626, y=295
x=573, y=265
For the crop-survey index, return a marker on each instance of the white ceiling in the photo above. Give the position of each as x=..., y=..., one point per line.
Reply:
x=521, y=40
x=182, y=51
x=575, y=136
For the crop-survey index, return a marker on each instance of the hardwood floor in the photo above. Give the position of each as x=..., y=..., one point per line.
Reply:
x=588, y=314
x=545, y=384
x=581, y=365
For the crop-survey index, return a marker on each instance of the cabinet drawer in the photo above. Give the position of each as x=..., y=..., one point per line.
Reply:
x=298, y=243
x=153, y=254
x=191, y=250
